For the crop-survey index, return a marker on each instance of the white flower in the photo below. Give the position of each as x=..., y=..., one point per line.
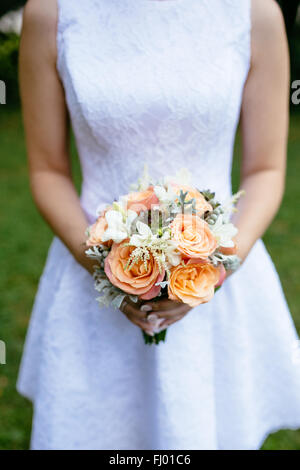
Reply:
x=121, y=205
x=172, y=254
x=143, y=237
x=119, y=225
x=223, y=232
x=164, y=247
x=166, y=196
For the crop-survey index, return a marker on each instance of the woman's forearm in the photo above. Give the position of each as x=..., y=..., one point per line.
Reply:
x=257, y=208
x=58, y=202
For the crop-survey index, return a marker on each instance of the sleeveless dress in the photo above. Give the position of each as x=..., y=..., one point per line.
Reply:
x=157, y=82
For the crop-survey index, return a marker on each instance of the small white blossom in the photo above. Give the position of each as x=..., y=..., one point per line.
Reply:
x=172, y=254
x=121, y=205
x=165, y=196
x=163, y=248
x=119, y=225
x=143, y=237
x=223, y=232
x=162, y=284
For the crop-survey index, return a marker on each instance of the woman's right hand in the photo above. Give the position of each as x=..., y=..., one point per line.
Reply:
x=141, y=316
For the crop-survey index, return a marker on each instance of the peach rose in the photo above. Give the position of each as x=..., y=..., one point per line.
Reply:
x=142, y=200
x=193, y=236
x=138, y=280
x=201, y=203
x=193, y=283
x=96, y=231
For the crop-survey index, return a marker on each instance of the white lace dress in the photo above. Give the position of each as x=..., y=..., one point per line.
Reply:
x=157, y=82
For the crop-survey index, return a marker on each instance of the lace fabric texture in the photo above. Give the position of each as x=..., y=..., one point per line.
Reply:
x=157, y=82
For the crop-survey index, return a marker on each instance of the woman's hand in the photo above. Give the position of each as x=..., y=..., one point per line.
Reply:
x=154, y=316
x=166, y=311
x=137, y=316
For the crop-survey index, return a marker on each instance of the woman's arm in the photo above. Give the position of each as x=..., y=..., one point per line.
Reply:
x=47, y=129
x=264, y=125
x=47, y=136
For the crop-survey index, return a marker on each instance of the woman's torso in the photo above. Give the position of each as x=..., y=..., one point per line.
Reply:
x=156, y=82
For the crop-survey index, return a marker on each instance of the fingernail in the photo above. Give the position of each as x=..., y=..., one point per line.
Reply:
x=150, y=333
x=156, y=325
x=158, y=330
x=152, y=318
x=145, y=308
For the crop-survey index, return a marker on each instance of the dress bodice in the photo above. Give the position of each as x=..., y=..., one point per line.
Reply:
x=156, y=82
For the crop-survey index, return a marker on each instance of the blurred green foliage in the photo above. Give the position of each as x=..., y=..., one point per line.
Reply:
x=9, y=5
x=9, y=51
x=295, y=53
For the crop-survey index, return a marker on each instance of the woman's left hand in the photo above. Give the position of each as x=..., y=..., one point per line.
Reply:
x=169, y=310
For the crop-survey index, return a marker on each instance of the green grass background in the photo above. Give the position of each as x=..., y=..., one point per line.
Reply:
x=25, y=239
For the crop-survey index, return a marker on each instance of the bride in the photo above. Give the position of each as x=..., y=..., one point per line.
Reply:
x=161, y=82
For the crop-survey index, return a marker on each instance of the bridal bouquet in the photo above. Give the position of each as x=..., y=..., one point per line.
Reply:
x=164, y=238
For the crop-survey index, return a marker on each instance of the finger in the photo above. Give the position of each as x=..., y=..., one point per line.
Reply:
x=222, y=277
x=129, y=308
x=140, y=323
x=146, y=308
x=144, y=326
x=132, y=303
x=182, y=309
x=133, y=315
x=170, y=322
x=160, y=305
x=150, y=327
